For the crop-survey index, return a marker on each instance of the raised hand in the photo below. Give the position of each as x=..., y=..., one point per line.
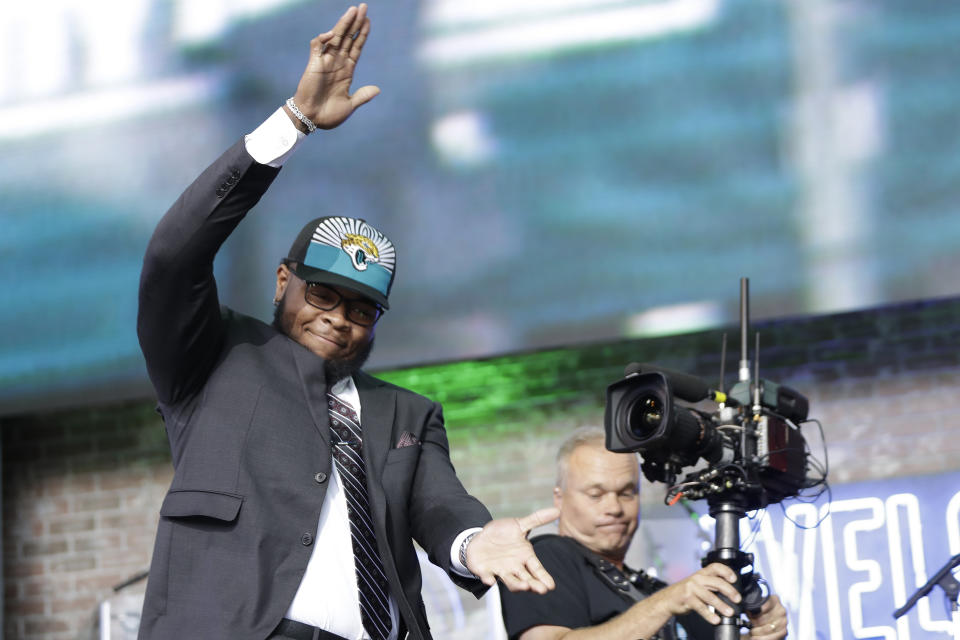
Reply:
x=323, y=94
x=501, y=550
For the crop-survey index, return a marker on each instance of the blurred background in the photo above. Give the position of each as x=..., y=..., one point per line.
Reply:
x=553, y=173
x=571, y=184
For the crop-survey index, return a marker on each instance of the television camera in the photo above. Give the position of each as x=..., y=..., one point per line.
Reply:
x=752, y=445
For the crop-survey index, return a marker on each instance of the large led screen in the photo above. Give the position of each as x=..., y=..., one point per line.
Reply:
x=552, y=172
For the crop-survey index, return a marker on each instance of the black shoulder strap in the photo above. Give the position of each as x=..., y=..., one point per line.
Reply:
x=635, y=584
x=619, y=582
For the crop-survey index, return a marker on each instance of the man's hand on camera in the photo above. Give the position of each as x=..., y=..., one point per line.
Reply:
x=701, y=591
x=771, y=622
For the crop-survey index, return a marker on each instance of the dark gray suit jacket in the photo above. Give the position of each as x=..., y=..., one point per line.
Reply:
x=246, y=415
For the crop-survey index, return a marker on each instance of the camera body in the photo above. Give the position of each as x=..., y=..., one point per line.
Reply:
x=753, y=450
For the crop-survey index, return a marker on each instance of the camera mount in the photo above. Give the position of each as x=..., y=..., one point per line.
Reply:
x=754, y=450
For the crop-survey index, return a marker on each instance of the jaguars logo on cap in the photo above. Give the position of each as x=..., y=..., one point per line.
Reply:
x=361, y=249
x=361, y=242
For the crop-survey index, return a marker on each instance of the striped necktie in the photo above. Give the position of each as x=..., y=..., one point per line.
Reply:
x=371, y=581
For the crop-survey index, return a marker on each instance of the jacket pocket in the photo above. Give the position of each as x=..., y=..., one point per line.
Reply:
x=403, y=455
x=183, y=503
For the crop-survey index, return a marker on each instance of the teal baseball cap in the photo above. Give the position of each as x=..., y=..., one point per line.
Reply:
x=345, y=252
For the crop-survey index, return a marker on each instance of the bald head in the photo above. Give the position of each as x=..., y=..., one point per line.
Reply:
x=597, y=493
x=592, y=436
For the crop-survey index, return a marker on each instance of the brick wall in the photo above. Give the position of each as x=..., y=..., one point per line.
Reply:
x=80, y=497
x=81, y=488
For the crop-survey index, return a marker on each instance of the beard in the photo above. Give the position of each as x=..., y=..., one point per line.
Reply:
x=334, y=369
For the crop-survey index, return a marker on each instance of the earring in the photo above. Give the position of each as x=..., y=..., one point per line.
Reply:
x=276, y=302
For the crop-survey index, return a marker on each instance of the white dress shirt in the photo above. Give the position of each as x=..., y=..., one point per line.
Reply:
x=321, y=599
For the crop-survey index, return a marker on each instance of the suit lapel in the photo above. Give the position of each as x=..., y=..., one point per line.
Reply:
x=310, y=368
x=377, y=414
x=377, y=409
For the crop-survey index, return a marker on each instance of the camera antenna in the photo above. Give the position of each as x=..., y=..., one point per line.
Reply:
x=744, y=329
x=756, y=375
x=723, y=360
x=730, y=507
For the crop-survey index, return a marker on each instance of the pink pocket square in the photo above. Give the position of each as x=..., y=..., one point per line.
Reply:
x=407, y=439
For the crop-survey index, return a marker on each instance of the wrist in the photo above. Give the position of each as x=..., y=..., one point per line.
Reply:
x=463, y=549
x=300, y=121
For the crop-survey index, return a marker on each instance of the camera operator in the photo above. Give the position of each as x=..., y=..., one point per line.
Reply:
x=597, y=595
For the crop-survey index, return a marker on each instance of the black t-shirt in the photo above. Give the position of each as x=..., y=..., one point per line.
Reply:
x=582, y=597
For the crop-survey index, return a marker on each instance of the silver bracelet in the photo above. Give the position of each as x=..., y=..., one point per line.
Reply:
x=302, y=118
x=463, y=548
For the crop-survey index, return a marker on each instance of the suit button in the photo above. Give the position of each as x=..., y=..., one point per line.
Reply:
x=321, y=477
x=306, y=539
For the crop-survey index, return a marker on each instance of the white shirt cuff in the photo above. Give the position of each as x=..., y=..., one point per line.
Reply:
x=455, y=563
x=275, y=140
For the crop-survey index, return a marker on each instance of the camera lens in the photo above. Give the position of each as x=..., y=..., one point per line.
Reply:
x=646, y=416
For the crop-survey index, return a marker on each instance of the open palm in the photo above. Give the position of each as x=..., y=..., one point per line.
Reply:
x=501, y=550
x=323, y=94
